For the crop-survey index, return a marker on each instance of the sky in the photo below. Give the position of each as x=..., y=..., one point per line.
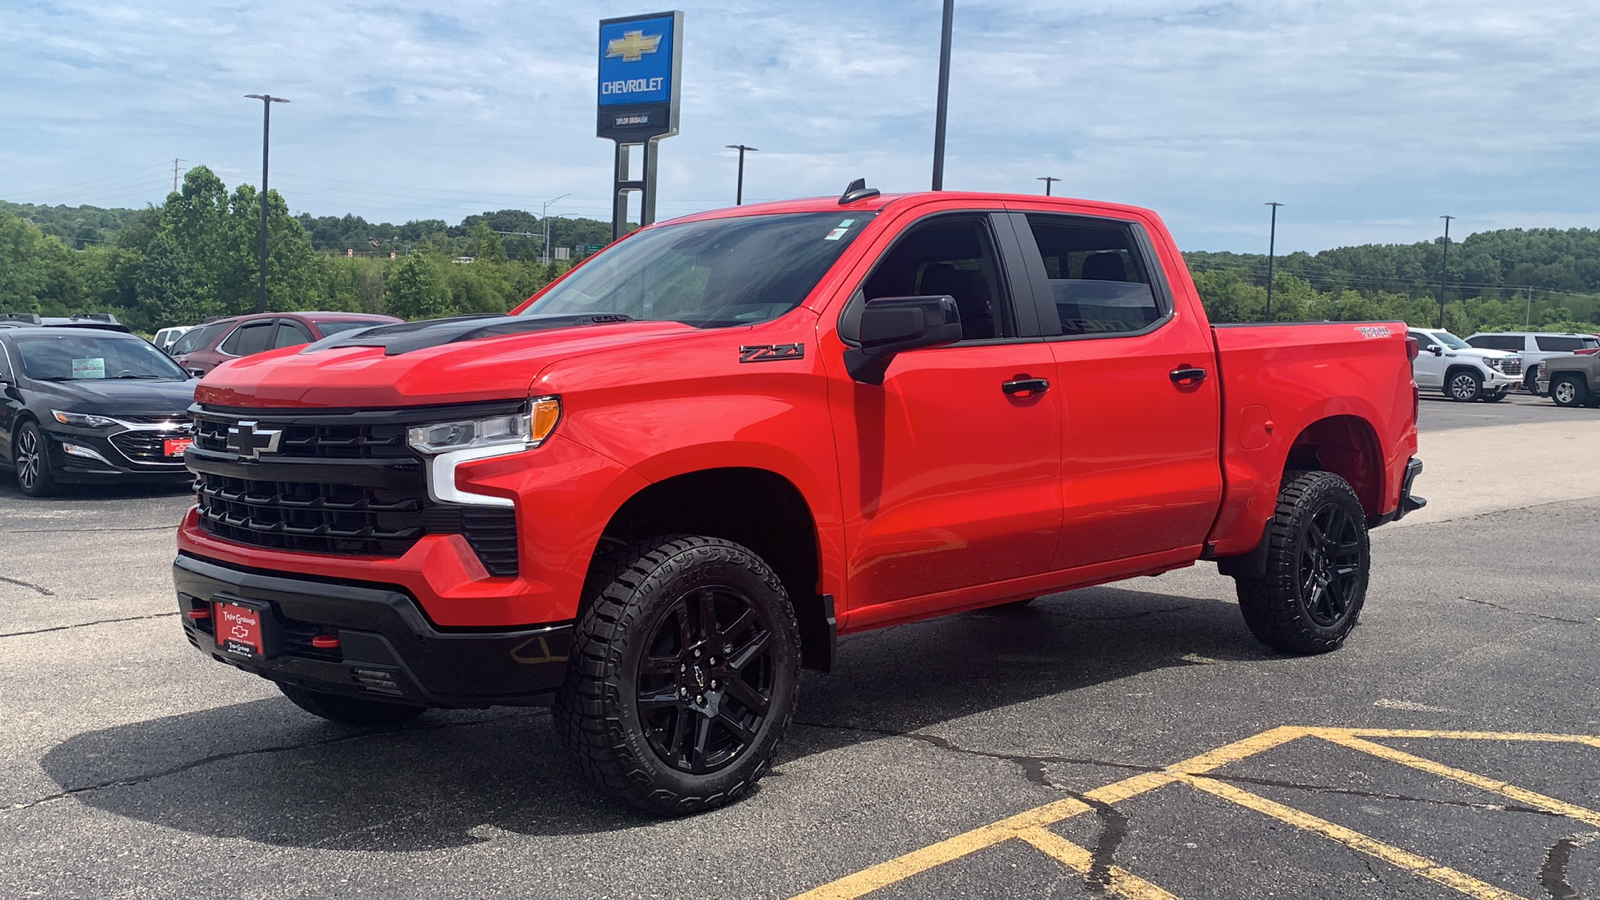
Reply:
x=1367, y=120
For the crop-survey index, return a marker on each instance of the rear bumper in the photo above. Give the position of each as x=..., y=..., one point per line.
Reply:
x=386, y=649
x=1409, y=502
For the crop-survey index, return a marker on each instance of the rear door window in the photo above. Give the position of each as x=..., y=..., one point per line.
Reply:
x=291, y=334
x=199, y=337
x=251, y=338
x=1099, y=279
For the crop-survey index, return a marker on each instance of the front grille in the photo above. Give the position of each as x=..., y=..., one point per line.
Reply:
x=320, y=513
x=1512, y=367
x=144, y=446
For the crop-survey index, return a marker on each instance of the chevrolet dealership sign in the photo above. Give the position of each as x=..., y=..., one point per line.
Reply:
x=639, y=67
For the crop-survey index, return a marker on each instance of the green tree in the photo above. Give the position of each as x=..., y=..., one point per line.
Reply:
x=415, y=292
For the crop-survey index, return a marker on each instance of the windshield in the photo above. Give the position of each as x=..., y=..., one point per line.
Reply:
x=1450, y=340
x=709, y=274
x=196, y=338
x=78, y=356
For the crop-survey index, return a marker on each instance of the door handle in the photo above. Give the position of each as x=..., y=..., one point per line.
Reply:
x=1026, y=386
x=1187, y=376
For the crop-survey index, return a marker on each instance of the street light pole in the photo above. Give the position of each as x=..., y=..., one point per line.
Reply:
x=266, y=130
x=738, y=192
x=943, y=106
x=1272, y=246
x=1047, y=179
x=544, y=248
x=1444, y=269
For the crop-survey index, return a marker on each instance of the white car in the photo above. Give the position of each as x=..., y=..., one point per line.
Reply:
x=168, y=336
x=1461, y=371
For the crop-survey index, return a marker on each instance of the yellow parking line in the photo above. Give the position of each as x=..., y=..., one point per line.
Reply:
x=1079, y=860
x=1525, y=797
x=900, y=868
x=1410, y=862
x=1461, y=735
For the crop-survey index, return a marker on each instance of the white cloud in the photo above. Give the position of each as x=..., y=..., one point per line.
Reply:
x=1367, y=118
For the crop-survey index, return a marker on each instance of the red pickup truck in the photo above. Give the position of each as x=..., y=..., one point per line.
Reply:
x=672, y=478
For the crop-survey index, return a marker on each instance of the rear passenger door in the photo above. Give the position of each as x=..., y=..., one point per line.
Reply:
x=1141, y=415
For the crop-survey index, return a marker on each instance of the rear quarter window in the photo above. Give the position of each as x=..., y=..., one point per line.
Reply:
x=1559, y=344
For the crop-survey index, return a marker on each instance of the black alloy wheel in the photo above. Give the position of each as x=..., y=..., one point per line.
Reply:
x=1318, y=561
x=704, y=686
x=1465, y=386
x=684, y=674
x=31, y=454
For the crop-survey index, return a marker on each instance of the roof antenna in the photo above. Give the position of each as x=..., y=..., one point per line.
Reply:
x=857, y=190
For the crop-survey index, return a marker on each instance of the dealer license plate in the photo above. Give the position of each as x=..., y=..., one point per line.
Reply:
x=176, y=446
x=239, y=629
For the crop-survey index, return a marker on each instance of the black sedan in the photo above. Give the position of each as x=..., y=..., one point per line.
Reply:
x=90, y=405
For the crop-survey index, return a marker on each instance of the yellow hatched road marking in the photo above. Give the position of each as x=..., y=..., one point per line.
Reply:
x=1355, y=840
x=1031, y=826
x=1079, y=860
x=1521, y=795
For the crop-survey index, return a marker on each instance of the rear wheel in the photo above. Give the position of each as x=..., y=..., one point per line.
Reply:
x=1318, y=559
x=1464, y=385
x=350, y=710
x=1530, y=380
x=684, y=674
x=31, y=454
x=1569, y=391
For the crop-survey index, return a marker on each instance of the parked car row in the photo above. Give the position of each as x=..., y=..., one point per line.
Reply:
x=1489, y=366
x=82, y=399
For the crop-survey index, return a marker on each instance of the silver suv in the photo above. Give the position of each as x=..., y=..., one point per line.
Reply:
x=1534, y=347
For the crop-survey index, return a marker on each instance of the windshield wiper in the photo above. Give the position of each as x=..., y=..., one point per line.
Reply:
x=155, y=377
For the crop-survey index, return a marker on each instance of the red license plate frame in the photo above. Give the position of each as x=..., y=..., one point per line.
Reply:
x=175, y=446
x=240, y=629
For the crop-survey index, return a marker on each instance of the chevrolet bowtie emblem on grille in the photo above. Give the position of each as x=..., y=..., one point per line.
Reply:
x=249, y=442
x=633, y=45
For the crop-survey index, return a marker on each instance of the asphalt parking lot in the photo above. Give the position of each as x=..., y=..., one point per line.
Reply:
x=1131, y=739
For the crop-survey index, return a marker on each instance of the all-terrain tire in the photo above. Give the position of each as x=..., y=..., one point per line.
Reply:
x=1568, y=391
x=350, y=710
x=684, y=674
x=1318, y=561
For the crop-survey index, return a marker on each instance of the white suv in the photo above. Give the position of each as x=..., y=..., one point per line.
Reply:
x=1534, y=347
x=1462, y=371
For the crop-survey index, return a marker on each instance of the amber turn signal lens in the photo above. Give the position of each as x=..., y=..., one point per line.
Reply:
x=546, y=413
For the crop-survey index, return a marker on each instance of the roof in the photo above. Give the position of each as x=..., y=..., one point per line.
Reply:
x=882, y=201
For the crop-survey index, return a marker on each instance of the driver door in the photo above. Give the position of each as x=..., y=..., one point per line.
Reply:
x=1428, y=369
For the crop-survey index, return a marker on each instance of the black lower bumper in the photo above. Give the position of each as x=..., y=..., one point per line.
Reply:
x=386, y=649
x=1409, y=502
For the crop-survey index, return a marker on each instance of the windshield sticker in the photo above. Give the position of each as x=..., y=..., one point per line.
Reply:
x=840, y=231
x=94, y=367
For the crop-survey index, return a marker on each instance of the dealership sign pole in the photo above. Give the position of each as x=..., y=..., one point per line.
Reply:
x=640, y=61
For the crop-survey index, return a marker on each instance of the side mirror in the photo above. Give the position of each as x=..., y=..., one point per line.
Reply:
x=891, y=325
x=1438, y=350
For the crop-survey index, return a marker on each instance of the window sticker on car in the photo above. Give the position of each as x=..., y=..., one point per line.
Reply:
x=840, y=230
x=93, y=367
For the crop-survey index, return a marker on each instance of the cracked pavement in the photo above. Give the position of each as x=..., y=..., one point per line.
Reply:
x=131, y=766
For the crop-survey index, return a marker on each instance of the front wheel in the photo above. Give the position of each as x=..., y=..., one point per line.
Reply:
x=1464, y=385
x=31, y=455
x=684, y=674
x=350, y=710
x=1318, y=560
x=1568, y=391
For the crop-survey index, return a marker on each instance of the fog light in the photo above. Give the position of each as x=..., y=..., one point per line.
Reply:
x=83, y=452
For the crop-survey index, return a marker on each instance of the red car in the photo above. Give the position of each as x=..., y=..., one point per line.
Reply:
x=214, y=343
x=674, y=476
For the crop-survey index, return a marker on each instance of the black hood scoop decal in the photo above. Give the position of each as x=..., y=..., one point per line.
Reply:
x=408, y=336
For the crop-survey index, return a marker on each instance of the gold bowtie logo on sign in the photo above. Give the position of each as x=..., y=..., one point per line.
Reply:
x=633, y=45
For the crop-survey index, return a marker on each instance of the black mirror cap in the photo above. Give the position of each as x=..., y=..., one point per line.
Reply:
x=891, y=325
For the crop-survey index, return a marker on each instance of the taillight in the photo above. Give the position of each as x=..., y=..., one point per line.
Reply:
x=1412, y=348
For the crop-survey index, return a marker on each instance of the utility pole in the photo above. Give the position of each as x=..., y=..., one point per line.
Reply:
x=544, y=248
x=1444, y=268
x=1272, y=247
x=175, y=162
x=1527, y=318
x=738, y=192
x=266, y=129
x=1048, y=180
x=943, y=106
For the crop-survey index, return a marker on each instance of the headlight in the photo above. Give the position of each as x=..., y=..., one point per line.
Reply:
x=449, y=444
x=1494, y=363
x=519, y=431
x=82, y=420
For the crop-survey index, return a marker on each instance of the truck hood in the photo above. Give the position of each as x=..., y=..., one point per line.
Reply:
x=462, y=360
x=1483, y=354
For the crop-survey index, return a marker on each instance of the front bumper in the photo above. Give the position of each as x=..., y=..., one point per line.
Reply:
x=83, y=456
x=386, y=648
x=1500, y=381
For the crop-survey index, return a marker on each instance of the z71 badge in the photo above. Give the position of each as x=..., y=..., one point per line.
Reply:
x=771, y=352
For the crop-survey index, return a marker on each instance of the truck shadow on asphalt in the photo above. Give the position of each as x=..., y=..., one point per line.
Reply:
x=264, y=771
